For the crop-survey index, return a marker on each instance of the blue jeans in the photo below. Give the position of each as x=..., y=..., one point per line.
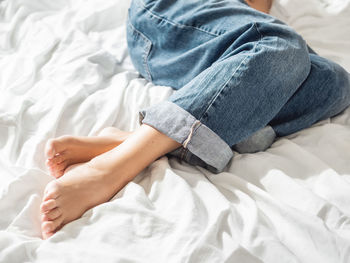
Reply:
x=241, y=77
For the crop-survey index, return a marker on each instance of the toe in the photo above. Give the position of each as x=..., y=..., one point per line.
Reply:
x=57, y=170
x=57, y=146
x=58, y=174
x=50, y=150
x=61, y=166
x=47, y=235
x=48, y=227
x=51, y=214
x=58, y=158
x=49, y=165
x=48, y=206
x=52, y=190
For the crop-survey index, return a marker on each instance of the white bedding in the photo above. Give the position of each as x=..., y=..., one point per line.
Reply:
x=65, y=70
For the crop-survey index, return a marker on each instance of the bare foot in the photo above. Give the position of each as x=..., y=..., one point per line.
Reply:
x=67, y=198
x=98, y=180
x=64, y=151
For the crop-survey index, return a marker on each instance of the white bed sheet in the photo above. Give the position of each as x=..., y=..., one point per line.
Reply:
x=65, y=70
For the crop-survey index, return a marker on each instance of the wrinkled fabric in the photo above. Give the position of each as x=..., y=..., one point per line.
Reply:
x=237, y=73
x=65, y=69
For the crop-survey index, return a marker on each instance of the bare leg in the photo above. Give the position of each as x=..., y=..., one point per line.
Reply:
x=64, y=151
x=260, y=5
x=99, y=179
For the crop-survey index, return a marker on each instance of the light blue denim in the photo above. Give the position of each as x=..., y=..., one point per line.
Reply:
x=241, y=77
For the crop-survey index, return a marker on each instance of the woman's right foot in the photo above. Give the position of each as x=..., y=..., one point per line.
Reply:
x=66, y=150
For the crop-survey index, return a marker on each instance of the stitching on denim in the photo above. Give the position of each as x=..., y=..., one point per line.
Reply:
x=223, y=86
x=194, y=127
x=185, y=151
x=146, y=51
x=177, y=24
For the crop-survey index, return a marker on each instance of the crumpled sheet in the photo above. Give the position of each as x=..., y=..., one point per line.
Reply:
x=65, y=70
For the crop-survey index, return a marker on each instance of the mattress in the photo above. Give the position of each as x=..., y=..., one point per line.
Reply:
x=65, y=69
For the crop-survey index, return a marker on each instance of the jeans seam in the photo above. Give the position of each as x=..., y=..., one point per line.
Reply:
x=146, y=51
x=257, y=29
x=177, y=24
x=193, y=129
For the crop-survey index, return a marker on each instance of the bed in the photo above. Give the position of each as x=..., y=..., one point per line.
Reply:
x=65, y=69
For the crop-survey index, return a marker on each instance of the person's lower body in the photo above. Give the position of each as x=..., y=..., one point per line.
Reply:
x=216, y=106
x=241, y=77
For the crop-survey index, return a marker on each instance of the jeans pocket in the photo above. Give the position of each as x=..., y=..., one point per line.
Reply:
x=139, y=49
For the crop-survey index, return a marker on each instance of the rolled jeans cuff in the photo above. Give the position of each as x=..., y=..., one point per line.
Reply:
x=200, y=145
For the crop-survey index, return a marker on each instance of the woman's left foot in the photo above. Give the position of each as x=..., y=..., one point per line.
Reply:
x=64, y=151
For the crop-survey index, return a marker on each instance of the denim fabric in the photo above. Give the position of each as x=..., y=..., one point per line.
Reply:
x=240, y=76
x=190, y=132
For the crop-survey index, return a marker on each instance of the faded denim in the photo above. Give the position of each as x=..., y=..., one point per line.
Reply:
x=241, y=77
